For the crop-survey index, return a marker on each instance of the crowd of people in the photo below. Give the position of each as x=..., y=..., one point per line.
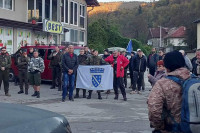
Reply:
x=64, y=65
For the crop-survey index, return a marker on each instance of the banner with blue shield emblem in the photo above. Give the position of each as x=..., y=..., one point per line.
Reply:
x=95, y=77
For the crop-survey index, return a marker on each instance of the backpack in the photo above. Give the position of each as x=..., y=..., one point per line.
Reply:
x=190, y=108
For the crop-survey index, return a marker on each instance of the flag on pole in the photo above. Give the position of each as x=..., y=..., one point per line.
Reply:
x=129, y=46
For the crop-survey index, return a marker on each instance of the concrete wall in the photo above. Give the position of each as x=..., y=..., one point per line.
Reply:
x=198, y=36
x=19, y=12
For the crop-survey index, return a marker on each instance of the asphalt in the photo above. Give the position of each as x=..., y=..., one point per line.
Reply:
x=91, y=116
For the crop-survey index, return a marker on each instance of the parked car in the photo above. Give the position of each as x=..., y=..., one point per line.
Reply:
x=44, y=52
x=17, y=118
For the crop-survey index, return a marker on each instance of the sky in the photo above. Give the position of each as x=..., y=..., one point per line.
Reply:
x=121, y=0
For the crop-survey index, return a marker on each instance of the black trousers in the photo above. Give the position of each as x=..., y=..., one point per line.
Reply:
x=119, y=83
x=56, y=75
x=23, y=79
x=4, y=76
x=137, y=80
x=125, y=77
x=131, y=76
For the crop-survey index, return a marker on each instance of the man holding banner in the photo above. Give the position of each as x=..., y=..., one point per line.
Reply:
x=95, y=60
x=118, y=62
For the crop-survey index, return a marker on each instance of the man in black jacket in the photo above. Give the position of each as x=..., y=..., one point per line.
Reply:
x=139, y=67
x=82, y=61
x=70, y=65
x=22, y=64
x=55, y=66
x=152, y=60
x=131, y=68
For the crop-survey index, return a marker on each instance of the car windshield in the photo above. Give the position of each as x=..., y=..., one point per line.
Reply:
x=76, y=51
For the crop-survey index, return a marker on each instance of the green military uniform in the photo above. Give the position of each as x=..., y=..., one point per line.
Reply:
x=55, y=66
x=95, y=60
x=5, y=61
x=22, y=64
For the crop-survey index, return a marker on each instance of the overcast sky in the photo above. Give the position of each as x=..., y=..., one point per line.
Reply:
x=121, y=0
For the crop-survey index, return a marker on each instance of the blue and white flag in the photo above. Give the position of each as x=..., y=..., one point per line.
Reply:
x=95, y=77
x=129, y=46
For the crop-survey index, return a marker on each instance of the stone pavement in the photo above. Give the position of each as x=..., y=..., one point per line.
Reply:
x=91, y=116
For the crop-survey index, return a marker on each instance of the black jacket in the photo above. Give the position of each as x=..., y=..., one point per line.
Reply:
x=194, y=65
x=55, y=60
x=152, y=61
x=69, y=63
x=139, y=64
x=22, y=63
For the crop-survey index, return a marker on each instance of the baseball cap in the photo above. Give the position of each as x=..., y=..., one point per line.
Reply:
x=139, y=50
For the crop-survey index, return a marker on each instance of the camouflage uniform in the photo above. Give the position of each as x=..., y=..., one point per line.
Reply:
x=95, y=60
x=5, y=61
x=165, y=97
x=22, y=64
x=35, y=68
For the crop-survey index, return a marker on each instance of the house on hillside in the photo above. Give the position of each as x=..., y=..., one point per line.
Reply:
x=154, y=36
x=43, y=22
x=176, y=37
x=170, y=37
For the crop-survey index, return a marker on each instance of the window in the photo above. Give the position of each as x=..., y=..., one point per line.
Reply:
x=6, y=4
x=82, y=36
x=47, y=9
x=64, y=11
x=39, y=10
x=82, y=16
x=73, y=13
x=1, y=3
x=42, y=53
x=30, y=10
x=54, y=10
x=73, y=35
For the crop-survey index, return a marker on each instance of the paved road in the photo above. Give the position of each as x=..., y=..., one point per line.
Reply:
x=91, y=116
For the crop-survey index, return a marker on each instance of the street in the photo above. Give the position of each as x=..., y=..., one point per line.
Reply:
x=91, y=116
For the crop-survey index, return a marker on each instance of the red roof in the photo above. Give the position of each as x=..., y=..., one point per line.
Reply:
x=155, y=32
x=178, y=33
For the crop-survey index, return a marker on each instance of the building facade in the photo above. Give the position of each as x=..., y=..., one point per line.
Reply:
x=18, y=27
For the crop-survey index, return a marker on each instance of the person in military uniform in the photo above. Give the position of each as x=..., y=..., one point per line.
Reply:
x=55, y=65
x=5, y=64
x=82, y=61
x=95, y=60
x=35, y=68
x=22, y=64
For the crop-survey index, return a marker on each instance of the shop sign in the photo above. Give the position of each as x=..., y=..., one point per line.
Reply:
x=52, y=27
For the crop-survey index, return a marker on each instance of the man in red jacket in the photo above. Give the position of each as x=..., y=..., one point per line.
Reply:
x=118, y=62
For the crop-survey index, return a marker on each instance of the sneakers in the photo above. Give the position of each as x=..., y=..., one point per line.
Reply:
x=20, y=92
x=116, y=97
x=63, y=99
x=76, y=96
x=139, y=92
x=71, y=99
x=52, y=87
x=38, y=94
x=133, y=92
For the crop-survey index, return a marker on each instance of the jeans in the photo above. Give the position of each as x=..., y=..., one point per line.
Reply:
x=137, y=79
x=68, y=79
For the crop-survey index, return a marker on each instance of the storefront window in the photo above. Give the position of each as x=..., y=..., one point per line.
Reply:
x=30, y=10
x=6, y=38
x=54, y=10
x=39, y=10
x=47, y=9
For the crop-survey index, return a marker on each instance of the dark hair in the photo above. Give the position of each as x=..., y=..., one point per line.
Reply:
x=81, y=49
x=85, y=46
x=174, y=60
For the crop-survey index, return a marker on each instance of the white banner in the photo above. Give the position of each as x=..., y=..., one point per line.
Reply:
x=95, y=77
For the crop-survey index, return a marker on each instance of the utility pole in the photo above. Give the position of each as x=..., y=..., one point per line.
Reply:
x=160, y=37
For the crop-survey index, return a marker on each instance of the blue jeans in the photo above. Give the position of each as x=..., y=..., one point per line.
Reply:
x=68, y=79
